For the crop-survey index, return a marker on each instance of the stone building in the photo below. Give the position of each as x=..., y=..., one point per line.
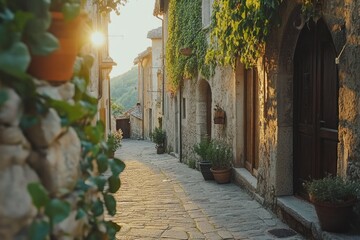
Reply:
x=293, y=117
x=150, y=86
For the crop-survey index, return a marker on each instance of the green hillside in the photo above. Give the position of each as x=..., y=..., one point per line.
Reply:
x=123, y=88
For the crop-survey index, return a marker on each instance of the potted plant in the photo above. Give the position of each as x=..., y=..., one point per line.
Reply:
x=220, y=156
x=201, y=149
x=61, y=25
x=158, y=136
x=334, y=199
x=114, y=142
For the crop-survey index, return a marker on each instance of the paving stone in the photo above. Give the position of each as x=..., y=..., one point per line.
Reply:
x=212, y=236
x=196, y=235
x=174, y=234
x=145, y=232
x=205, y=227
x=225, y=234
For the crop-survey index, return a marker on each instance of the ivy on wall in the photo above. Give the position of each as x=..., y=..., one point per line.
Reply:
x=185, y=30
x=239, y=29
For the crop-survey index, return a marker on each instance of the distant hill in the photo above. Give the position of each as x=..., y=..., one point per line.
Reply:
x=123, y=88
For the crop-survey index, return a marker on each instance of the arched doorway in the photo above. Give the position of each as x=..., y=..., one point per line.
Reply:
x=203, y=109
x=315, y=105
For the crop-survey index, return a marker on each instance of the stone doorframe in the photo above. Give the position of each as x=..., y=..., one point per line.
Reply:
x=203, y=88
x=280, y=52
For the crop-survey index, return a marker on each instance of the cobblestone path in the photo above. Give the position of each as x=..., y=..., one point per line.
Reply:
x=161, y=198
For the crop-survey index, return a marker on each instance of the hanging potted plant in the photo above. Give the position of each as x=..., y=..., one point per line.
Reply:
x=219, y=115
x=334, y=199
x=201, y=149
x=220, y=156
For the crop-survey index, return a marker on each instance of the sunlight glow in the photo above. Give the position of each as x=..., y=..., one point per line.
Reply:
x=97, y=39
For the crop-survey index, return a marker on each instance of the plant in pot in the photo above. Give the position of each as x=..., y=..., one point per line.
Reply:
x=334, y=199
x=60, y=23
x=220, y=155
x=114, y=142
x=201, y=149
x=158, y=136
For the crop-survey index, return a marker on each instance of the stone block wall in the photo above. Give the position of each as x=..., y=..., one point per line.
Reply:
x=45, y=152
x=135, y=128
x=222, y=86
x=276, y=95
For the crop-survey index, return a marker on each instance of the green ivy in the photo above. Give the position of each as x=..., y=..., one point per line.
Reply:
x=24, y=26
x=185, y=30
x=239, y=29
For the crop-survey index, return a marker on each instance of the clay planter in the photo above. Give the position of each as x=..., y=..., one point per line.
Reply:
x=334, y=217
x=57, y=67
x=205, y=170
x=186, y=51
x=219, y=117
x=160, y=149
x=221, y=175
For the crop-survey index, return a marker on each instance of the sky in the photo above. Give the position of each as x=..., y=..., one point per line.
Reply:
x=128, y=31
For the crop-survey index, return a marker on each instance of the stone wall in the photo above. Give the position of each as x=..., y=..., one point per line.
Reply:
x=45, y=152
x=222, y=86
x=135, y=128
x=276, y=96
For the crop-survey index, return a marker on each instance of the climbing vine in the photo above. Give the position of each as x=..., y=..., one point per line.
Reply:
x=239, y=29
x=185, y=30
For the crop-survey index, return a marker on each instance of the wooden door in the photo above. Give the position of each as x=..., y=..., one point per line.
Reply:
x=124, y=125
x=315, y=106
x=251, y=121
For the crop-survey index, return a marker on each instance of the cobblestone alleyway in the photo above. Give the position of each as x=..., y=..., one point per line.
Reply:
x=161, y=198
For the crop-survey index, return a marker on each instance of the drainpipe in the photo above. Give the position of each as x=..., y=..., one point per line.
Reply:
x=180, y=121
x=109, y=103
x=143, y=96
x=163, y=63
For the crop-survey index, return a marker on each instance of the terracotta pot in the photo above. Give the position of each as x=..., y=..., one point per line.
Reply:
x=221, y=175
x=205, y=170
x=334, y=217
x=160, y=149
x=57, y=67
x=186, y=51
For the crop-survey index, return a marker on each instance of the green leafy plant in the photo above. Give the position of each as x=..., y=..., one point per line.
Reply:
x=239, y=29
x=201, y=148
x=23, y=29
x=158, y=136
x=185, y=31
x=107, y=6
x=310, y=9
x=332, y=189
x=219, y=154
x=192, y=163
x=114, y=140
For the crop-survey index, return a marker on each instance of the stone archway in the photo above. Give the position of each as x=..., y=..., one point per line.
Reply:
x=283, y=75
x=203, y=109
x=283, y=79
